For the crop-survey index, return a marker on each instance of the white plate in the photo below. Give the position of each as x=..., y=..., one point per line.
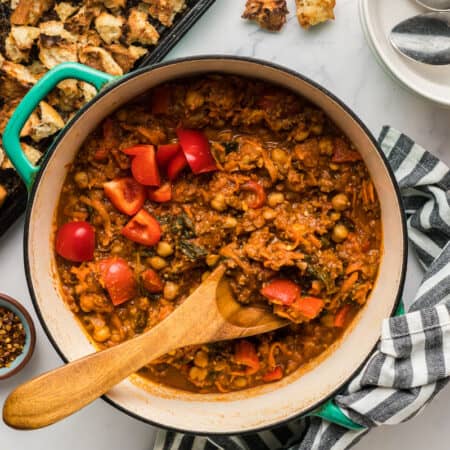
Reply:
x=378, y=17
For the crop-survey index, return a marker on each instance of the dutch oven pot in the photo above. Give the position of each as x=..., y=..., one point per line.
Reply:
x=304, y=392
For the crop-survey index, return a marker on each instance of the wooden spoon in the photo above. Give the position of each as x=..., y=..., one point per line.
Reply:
x=210, y=314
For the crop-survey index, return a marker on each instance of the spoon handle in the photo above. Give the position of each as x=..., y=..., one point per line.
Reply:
x=63, y=391
x=58, y=393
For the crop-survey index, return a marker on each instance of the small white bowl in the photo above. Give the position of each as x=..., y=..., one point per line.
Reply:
x=378, y=17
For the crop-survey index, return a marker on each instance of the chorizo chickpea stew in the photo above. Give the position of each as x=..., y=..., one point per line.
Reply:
x=209, y=170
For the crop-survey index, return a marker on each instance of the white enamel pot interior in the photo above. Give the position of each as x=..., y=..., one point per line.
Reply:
x=225, y=413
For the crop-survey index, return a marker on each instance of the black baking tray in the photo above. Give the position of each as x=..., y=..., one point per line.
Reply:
x=16, y=200
x=170, y=36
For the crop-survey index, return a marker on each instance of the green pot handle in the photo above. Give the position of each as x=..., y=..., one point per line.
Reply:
x=11, y=135
x=330, y=412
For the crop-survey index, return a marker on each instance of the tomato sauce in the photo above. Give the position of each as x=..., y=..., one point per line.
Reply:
x=273, y=190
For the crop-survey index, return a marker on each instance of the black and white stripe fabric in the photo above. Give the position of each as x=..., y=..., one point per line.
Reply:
x=412, y=361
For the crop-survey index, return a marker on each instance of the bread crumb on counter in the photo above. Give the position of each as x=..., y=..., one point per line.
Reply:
x=271, y=15
x=268, y=14
x=313, y=12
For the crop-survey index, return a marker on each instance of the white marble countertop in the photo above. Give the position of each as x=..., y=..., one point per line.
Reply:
x=336, y=56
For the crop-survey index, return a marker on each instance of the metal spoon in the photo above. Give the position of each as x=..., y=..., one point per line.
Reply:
x=435, y=5
x=424, y=38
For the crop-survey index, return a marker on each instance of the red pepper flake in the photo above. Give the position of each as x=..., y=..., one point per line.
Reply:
x=12, y=337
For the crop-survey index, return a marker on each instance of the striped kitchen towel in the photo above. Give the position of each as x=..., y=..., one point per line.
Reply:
x=412, y=361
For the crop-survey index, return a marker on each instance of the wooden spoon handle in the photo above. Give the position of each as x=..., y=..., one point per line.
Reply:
x=56, y=394
x=61, y=392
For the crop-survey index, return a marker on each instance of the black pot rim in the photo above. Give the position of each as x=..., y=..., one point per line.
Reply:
x=123, y=80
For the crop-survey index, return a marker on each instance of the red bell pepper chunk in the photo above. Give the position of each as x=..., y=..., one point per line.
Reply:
x=196, y=148
x=176, y=166
x=343, y=153
x=118, y=279
x=143, y=228
x=162, y=194
x=273, y=375
x=310, y=307
x=245, y=354
x=144, y=168
x=152, y=282
x=75, y=241
x=165, y=153
x=258, y=193
x=126, y=194
x=340, y=319
x=284, y=292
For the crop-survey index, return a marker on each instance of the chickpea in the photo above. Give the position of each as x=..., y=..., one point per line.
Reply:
x=334, y=166
x=240, y=382
x=116, y=337
x=218, y=202
x=335, y=216
x=143, y=303
x=170, y=290
x=301, y=135
x=201, y=359
x=326, y=147
x=280, y=156
x=194, y=100
x=198, y=374
x=205, y=275
x=82, y=180
x=340, y=233
x=164, y=249
x=269, y=214
x=275, y=198
x=78, y=289
x=316, y=287
x=117, y=248
x=87, y=302
x=157, y=262
x=298, y=228
x=212, y=259
x=317, y=129
x=220, y=365
x=230, y=222
x=102, y=334
x=340, y=202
